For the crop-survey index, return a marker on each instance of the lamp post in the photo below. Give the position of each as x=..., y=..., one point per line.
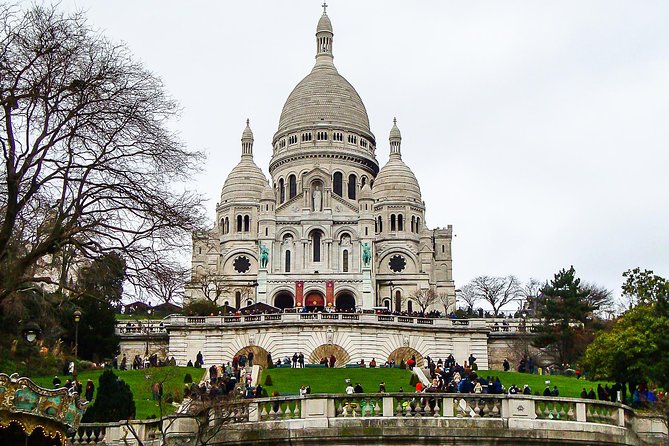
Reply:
x=77, y=318
x=392, y=303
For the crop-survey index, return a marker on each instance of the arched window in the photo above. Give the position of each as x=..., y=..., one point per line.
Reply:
x=417, y=224
x=380, y=224
x=400, y=222
x=239, y=223
x=282, y=191
x=398, y=301
x=287, y=267
x=266, y=232
x=238, y=299
x=227, y=225
x=292, y=186
x=392, y=222
x=352, y=179
x=344, y=263
x=247, y=223
x=386, y=303
x=363, y=181
x=337, y=181
x=413, y=223
x=316, y=244
x=410, y=307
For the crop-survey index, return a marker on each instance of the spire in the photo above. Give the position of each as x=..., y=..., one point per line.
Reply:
x=247, y=140
x=324, y=36
x=395, y=140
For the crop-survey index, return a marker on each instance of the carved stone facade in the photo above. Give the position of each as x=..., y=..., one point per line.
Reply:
x=328, y=199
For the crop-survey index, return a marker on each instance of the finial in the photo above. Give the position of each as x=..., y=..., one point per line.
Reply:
x=394, y=121
x=247, y=122
x=325, y=7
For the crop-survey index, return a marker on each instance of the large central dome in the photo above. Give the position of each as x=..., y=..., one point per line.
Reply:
x=324, y=96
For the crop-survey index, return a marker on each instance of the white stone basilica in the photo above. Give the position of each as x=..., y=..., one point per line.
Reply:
x=332, y=229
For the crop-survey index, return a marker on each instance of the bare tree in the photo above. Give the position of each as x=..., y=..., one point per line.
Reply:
x=167, y=284
x=90, y=165
x=497, y=291
x=530, y=292
x=210, y=285
x=445, y=300
x=600, y=298
x=467, y=294
x=424, y=297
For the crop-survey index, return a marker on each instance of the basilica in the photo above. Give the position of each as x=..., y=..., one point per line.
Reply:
x=331, y=229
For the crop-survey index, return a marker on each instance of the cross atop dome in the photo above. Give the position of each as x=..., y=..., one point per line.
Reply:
x=325, y=7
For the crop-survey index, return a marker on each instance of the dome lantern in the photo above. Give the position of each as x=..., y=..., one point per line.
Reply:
x=324, y=39
x=395, y=140
x=247, y=140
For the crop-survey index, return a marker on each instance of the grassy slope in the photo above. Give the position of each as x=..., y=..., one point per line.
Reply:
x=140, y=383
x=569, y=387
x=288, y=381
x=326, y=380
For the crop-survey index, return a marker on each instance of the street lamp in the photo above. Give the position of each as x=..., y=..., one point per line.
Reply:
x=77, y=318
x=31, y=332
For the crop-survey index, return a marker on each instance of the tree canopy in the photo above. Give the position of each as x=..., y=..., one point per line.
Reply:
x=566, y=311
x=90, y=165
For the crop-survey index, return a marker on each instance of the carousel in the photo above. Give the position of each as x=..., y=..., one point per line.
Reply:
x=31, y=415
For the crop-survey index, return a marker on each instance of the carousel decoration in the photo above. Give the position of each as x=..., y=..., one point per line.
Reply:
x=31, y=407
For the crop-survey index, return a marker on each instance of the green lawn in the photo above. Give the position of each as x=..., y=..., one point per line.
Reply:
x=569, y=387
x=326, y=380
x=140, y=383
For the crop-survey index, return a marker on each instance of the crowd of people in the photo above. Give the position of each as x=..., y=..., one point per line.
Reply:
x=76, y=386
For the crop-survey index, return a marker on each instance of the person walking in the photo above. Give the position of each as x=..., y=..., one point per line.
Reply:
x=90, y=390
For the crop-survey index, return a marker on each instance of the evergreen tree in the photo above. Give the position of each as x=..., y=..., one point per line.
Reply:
x=101, y=288
x=114, y=401
x=566, y=313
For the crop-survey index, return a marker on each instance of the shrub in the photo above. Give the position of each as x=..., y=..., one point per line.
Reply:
x=114, y=401
x=84, y=365
x=268, y=380
x=188, y=378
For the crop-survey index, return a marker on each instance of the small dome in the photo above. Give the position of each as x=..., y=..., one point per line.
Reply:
x=246, y=182
x=324, y=24
x=247, y=134
x=365, y=192
x=395, y=132
x=396, y=181
x=268, y=193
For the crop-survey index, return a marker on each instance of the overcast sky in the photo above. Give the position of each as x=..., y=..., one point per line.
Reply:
x=538, y=129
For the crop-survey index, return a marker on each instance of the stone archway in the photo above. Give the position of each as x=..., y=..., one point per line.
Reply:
x=259, y=355
x=327, y=350
x=345, y=301
x=284, y=299
x=314, y=301
x=406, y=353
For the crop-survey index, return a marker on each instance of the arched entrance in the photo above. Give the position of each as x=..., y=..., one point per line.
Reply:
x=345, y=302
x=326, y=351
x=405, y=353
x=314, y=301
x=283, y=300
x=259, y=355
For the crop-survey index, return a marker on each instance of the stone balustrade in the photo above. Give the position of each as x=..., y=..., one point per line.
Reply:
x=156, y=327
x=356, y=419
x=330, y=318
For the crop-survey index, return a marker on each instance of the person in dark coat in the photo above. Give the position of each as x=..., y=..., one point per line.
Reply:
x=90, y=390
x=250, y=356
x=547, y=391
x=358, y=388
x=506, y=365
x=56, y=382
x=591, y=394
x=584, y=393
